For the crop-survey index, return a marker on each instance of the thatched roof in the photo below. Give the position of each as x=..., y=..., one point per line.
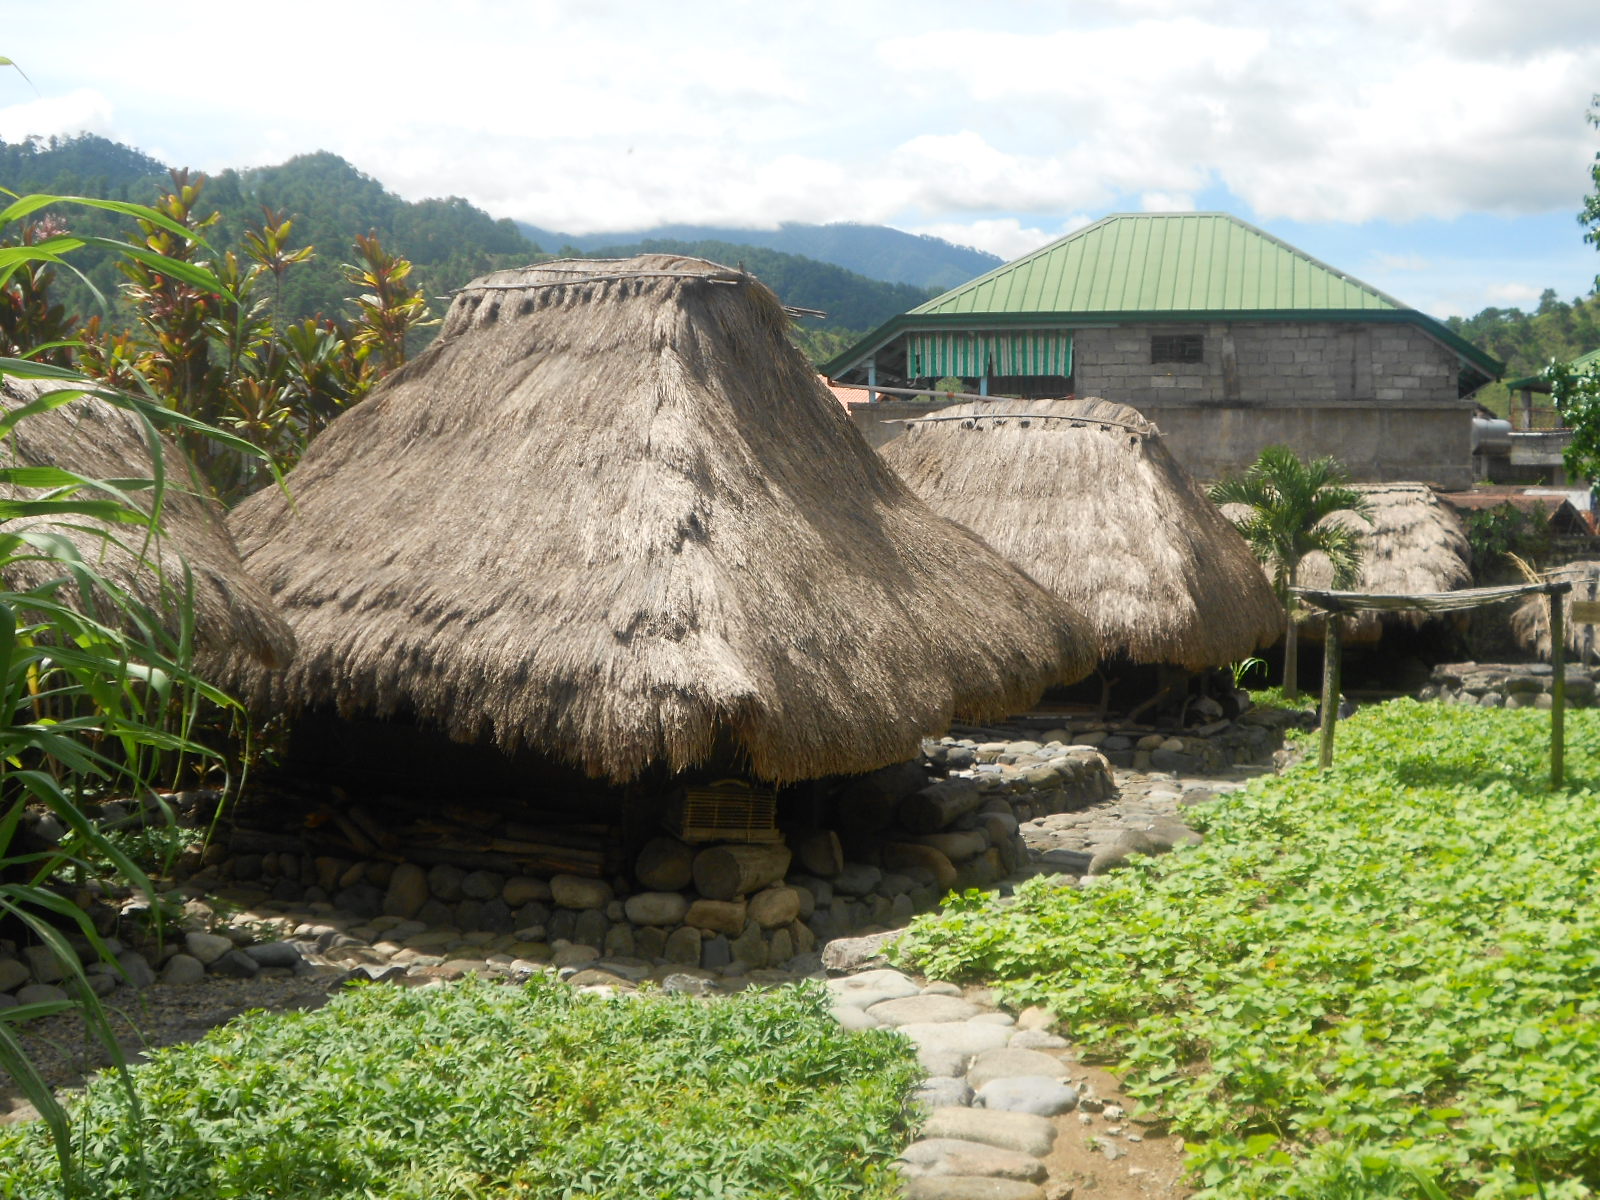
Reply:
x=612, y=515
x=1530, y=623
x=1415, y=543
x=233, y=615
x=1085, y=496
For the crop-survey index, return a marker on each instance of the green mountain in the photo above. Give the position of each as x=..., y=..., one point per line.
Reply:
x=447, y=240
x=850, y=301
x=875, y=251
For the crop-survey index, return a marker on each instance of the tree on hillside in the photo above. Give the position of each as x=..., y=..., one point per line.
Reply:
x=1575, y=388
x=1288, y=500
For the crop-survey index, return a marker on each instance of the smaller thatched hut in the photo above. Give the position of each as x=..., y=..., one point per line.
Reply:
x=1085, y=496
x=233, y=615
x=612, y=517
x=1414, y=543
x=1530, y=623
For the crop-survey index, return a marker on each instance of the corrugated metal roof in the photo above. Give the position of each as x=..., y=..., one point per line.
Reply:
x=1535, y=383
x=1163, y=262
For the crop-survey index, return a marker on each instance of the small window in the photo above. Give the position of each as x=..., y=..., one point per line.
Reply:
x=1177, y=347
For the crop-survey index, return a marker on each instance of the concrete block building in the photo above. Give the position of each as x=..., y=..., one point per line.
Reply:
x=1227, y=338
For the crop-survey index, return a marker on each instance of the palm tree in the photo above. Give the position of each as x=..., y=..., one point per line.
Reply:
x=1289, y=502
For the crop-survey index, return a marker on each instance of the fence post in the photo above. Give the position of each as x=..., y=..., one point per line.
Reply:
x=1558, y=689
x=1332, y=632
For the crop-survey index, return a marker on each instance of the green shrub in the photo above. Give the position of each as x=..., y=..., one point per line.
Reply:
x=1386, y=968
x=483, y=1090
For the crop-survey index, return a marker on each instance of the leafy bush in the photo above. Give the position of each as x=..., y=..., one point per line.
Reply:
x=1386, y=968
x=483, y=1090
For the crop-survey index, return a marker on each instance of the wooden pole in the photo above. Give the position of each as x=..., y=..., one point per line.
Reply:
x=1333, y=630
x=1558, y=689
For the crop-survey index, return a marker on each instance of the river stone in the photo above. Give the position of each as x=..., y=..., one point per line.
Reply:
x=942, y=1091
x=13, y=974
x=590, y=928
x=575, y=891
x=683, y=946
x=136, y=969
x=44, y=966
x=524, y=889
x=656, y=908
x=1009, y=1063
x=947, y=1047
x=750, y=947
x=970, y=1187
x=1037, y=1039
x=40, y=993
x=276, y=954
x=717, y=916
x=775, y=906
x=235, y=964
x=619, y=942
x=183, y=968
x=1027, y=1094
x=1008, y=1130
x=482, y=885
x=869, y=987
x=408, y=891
x=444, y=881
x=857, y=879
x=207, y=947
x=852, y=1018
x=572, y=955
x=715, y=952
x=920, y=1010
x=951, y=1156
x=848, y=954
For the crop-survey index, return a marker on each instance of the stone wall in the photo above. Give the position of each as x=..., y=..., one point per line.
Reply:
x=1508, y=685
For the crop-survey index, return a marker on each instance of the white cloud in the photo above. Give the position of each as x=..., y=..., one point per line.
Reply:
x=1163, y=202
x=81, y=110
x=1007, y=236
x=1512, y=293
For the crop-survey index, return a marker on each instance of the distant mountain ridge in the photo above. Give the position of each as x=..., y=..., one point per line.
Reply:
x=875, y=251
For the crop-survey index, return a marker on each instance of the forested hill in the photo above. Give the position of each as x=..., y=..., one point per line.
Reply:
x=875, y=251
x=851, y=301
x=1526, y=341
x=448, y=240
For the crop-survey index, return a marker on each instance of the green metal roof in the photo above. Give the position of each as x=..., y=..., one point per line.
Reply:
x=1535, y=384
x=1159, y=267
x=1162, y=262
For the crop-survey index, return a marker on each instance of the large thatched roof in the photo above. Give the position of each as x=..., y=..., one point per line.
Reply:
x=1085, y=496
x=1530, y=623
x=1415, y=543
x=233, y=616
x=612, y=515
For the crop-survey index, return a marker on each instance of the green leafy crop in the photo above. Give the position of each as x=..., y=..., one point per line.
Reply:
x=1384, y=973
x=480, y=1090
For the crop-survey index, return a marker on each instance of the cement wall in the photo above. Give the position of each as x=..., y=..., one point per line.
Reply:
x=1380, y=398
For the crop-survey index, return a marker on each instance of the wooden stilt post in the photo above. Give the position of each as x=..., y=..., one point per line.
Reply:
x=1333, y=629
x=1558, y=689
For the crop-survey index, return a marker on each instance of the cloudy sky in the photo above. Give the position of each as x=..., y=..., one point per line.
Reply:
x=1436, y=150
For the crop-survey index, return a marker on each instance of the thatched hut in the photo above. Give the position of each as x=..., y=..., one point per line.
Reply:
x=1415, y=542
x=1530, y=623
x=612, y=516
x=1085, y=496
x=191, y=554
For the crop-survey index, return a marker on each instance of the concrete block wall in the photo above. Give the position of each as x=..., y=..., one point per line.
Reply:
x=1380, y=397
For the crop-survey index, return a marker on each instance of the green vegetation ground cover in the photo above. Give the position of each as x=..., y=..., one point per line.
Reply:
x=478, y=1090
x=1382, y=974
